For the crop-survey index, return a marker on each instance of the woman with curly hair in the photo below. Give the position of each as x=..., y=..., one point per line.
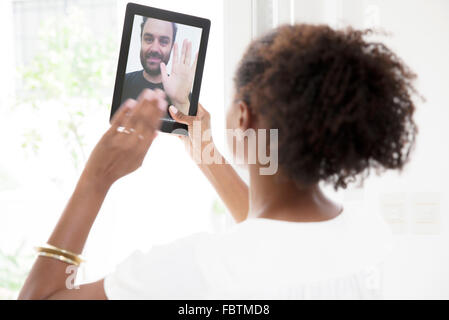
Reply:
x=342, y=106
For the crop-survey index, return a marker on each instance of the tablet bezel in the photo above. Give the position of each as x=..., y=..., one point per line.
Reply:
x=133, y=9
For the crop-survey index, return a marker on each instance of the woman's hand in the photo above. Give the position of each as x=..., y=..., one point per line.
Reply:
x=200, y=136
x=123, y=147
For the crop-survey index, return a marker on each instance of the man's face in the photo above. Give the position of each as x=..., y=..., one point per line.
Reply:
x=157, y=42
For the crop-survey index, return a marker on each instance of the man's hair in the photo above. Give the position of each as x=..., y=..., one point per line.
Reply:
x=343, y=105
x=175, y=28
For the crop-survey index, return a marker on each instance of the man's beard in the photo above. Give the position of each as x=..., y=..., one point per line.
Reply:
x=143, y=61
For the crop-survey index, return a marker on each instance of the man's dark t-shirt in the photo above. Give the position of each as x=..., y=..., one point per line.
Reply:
x=135, y=83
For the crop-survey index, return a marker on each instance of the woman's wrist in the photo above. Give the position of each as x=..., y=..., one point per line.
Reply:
x=94, y=183
x=80, y=213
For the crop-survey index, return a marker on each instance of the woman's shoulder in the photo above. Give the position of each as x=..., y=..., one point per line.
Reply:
x=358, y=237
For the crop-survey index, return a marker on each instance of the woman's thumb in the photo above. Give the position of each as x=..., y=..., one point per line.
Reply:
x=180, y=117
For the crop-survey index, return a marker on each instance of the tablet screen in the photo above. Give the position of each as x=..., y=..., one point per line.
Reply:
x=162, y=56
x=162, y=50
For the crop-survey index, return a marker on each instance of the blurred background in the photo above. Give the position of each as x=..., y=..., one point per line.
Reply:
x=58, y=62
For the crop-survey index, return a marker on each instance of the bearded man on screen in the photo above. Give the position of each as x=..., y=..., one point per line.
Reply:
x=158, y=40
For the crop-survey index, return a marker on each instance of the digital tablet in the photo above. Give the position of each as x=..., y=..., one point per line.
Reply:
x=162, y=50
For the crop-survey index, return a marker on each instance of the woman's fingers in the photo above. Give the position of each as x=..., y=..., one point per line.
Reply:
x=144, y=119
x=152, y=107
x=122, y=113
x=180, y=117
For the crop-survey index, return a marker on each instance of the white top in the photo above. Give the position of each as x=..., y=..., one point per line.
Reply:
x=262, y=259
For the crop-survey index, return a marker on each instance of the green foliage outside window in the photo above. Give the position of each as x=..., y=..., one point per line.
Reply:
x=75, y=68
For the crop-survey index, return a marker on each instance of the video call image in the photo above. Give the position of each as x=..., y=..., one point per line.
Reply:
x=162, y=54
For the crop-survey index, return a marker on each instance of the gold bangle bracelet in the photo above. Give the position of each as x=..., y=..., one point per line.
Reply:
x=49, y=249
x=66, y=253
x=59, y=253
x=63, y=251
x=60, y=258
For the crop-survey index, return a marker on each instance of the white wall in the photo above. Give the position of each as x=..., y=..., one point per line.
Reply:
x=419, y=267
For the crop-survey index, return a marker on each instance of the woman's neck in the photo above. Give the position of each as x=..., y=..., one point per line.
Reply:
x=271, y=198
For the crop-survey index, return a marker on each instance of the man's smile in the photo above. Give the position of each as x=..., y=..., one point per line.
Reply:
x=153, y=60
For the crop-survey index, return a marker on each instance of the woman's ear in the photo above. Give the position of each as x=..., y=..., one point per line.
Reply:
x=244, y=116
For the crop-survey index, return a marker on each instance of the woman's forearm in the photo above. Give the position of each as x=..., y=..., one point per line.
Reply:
x=74, y=226
x=49, y=275
x=232, y=190
x=228, y=184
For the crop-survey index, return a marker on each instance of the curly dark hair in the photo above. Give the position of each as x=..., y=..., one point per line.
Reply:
x=343, y=105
